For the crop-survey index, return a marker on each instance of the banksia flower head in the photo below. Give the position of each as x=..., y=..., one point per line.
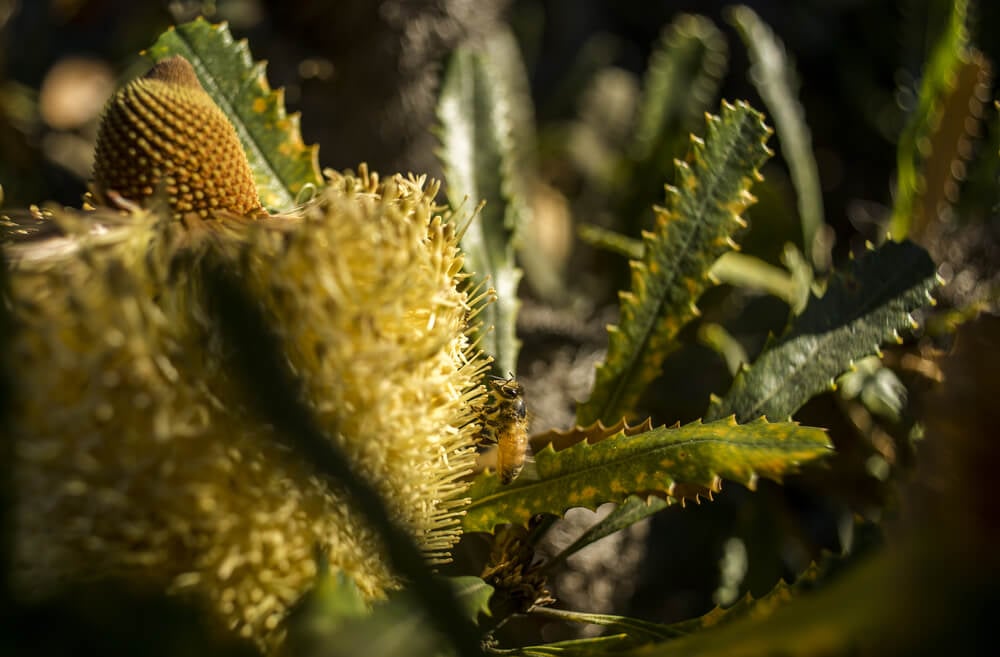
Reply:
x=136, y=456
x=164, y=130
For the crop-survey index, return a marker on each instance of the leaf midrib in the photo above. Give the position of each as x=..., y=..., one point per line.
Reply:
x=649, y=327
x=824, y=338
x=645, y=455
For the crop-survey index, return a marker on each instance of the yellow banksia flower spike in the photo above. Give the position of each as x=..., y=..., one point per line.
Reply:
x=135, y=455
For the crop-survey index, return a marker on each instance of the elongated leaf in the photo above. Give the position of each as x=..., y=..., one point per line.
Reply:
x=950, y=145
x=940, y=77
x=676, y=463
x=680, y=83
x=748, y=606
x=282, y=165
x=879, y=606
x=478, y=154
x=692, y=231
x=773, y=72
x=862, y=308
x=598, y=646
x=633, y=632
x=561, y=439
x=626, y=514
x=633, y=627
x=334, y=614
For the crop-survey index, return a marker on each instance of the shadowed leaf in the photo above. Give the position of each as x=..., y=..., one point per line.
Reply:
x=862, y=308
x=773, y=72
x=679, y=86
x=691, y=56
x=923, y=157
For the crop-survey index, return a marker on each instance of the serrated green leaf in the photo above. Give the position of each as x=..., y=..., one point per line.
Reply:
x=877, y=607
x=748, y=606
x=636, y=629
x=597, y=646
x=677, y=463
x=283, y=166
x=632, y=632
x=940, y=77
x=478, y=121
x=679, y=86
x=862, y=309
x=950, y=145
x=681, y=81
x=692, y=231
x=473, y=595
x=773, y=72
x=333, y=620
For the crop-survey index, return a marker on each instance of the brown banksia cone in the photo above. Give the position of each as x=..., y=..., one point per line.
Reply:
x=162, y=131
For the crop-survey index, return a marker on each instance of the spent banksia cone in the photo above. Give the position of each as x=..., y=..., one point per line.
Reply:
x=164, y=130
x=136, y=456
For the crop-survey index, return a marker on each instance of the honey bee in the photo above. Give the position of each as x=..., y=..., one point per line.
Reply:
x=505, y=422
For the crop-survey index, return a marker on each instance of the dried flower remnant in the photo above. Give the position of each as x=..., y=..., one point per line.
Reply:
x=135, y=455
x=163, y=131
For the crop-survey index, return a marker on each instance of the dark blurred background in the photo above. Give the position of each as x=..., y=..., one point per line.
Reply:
x=365, y=74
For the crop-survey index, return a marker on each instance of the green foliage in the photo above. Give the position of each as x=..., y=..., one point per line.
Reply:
x=863, y=308
x=774, y=74
x=680, y=84
x=333, y=619
x=282, y=165
x=941, y=86
x=677, y=463
x=691, y=55
x=753, y=273
x=859, y=613
x=480, y=122
x=696, y=227
x=486, y=129
x=632, y=633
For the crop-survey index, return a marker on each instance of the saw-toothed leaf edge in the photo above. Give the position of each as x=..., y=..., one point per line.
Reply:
x=596, y=432
x=676, y=463
x=701, y=214
x=691, y=55
x=680, y=84
x=863, y=307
